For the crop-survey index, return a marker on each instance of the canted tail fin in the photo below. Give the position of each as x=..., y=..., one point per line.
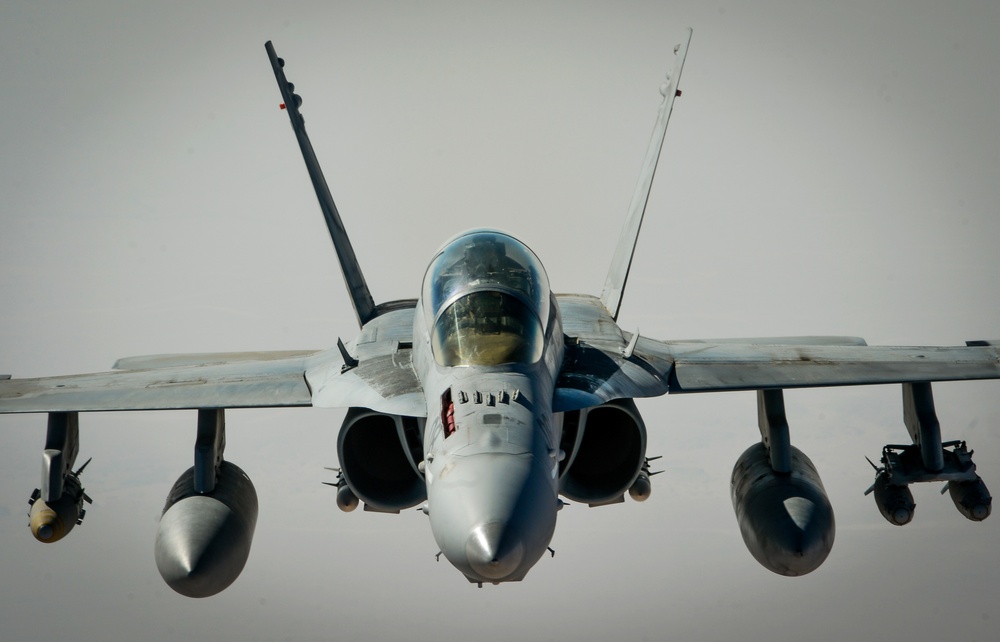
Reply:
x=361, y=297
x=614, y=286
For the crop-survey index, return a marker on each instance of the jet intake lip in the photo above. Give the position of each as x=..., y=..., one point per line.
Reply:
x=494, y=552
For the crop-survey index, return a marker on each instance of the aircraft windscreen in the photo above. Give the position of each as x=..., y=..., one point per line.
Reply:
x=487, y=329
x=489, y=298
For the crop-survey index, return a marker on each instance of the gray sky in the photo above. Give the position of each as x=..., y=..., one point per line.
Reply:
x=828, y=170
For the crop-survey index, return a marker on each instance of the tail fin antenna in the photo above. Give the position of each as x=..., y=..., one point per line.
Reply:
x=614, y=286
x=361, y=297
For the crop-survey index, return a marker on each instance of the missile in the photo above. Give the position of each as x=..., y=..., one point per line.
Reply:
x=51, y=521
x=641, y=488
x=785, y=518
x=971, y=498
x=203, y=540
x=346, y=499
x=895, y=502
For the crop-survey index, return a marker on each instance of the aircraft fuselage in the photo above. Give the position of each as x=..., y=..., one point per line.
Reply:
x=491, y=441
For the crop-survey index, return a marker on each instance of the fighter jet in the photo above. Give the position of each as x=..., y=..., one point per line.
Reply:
x=488, y=400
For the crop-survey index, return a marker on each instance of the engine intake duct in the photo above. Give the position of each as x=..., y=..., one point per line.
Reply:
x=378, y=456
x=785, y=518
x=607, y=451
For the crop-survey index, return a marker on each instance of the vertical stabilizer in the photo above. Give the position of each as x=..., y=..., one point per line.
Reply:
x=364, y=304
x=614, y=287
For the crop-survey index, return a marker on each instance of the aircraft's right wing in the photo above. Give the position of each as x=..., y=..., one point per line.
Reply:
x=708, y=367
x=595, y=373
x=603, y=363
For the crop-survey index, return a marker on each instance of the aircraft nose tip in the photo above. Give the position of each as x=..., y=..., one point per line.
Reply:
x=492, y=555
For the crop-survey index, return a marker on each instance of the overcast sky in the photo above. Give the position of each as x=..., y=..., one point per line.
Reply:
x=829, y=170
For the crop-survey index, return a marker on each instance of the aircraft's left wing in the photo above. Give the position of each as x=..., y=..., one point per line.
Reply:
x=229, y=380
x=379, y=376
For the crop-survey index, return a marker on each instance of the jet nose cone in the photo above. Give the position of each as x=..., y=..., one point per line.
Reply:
x=492, y=553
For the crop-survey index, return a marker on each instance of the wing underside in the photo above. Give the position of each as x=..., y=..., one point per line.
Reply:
x=377, y=374
x=213, y=383
x=603, y=363
x=716, y=367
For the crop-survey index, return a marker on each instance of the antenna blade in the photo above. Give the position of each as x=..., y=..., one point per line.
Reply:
x=614, y=286
x=364, y=304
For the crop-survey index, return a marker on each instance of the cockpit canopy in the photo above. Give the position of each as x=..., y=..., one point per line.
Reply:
x=487, y=300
